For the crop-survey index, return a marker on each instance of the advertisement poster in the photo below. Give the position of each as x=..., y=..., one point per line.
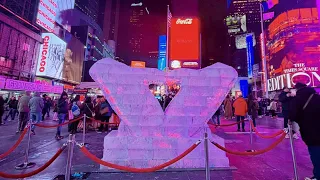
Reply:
x=73, y=60
x=250, y=54
x=184, y=42
x=297, y=61
x=241, y=42
x=51, y=56
x=47, y=12
x=236, y=23
x=162, y=52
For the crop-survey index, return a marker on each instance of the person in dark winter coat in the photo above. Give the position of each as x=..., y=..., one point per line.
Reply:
x=285, y=97
x=305, y=110
x=253, y=108
x=62, y=108
x=13, y=108
x=1, y=109
x=216, y=116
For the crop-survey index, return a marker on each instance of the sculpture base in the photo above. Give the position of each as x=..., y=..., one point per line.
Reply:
x=146, y=152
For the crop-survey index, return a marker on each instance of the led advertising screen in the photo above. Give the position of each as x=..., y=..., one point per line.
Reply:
x=73, y=60
x=51, y=56
x=138, y=64
x=46, y=15
x=162, y=52
x=241, y=42
x=62, y=11
x=236, y=23
x=250, y=55
x=293, y=52
x=184, y=43
x=297, y=60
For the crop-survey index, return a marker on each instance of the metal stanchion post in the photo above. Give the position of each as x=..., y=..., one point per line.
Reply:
x=84, y=130
x=206, y=146
x=26, y=163
x=71, y=141
x=292, y=151
x=251, y=135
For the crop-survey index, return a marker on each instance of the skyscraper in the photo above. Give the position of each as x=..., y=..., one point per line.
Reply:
x=140, y=25
x=249, y=7
x=89, y=7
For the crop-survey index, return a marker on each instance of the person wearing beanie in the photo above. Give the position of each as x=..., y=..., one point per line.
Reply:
x=304, y=110
x=62, y=108
x=35, y=105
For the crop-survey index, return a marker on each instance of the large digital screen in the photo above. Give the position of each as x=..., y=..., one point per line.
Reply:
x=241, y=42
x=162, y=60
x=73, y=60
x=236, y=23
x=295, y=58
x=184, y=43
x=51, y=56
x=47, y=12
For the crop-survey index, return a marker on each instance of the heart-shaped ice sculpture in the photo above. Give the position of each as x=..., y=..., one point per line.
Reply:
x=149, y=136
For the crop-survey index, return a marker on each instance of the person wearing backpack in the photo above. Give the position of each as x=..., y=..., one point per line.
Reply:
x=105, y=114
x=76, y=112
x=304, y=109
x=62, y=110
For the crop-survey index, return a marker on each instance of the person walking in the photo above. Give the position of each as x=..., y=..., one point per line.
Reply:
x=106, y=112
x=23, y=109
x=253, y=108
x=273, y=108
x=46, y=106
x=88, y=110
x=36, y=105
x=304, y=109
x=285, y=98
x=62, y=110
x=13, y=105
x=240, y=111
x=76, y=111
x=216, y=116
x=228, y=107
x=1, y=109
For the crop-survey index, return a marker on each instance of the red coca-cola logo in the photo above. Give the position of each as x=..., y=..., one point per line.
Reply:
x=184, y=21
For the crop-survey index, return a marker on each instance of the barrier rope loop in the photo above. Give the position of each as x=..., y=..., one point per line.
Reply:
x=103, y=122
x=273, y=145
x=16, y=144
x=57, y=125
x=226, y=125
x=85, y=151
x=47, y=164
x=266, y=136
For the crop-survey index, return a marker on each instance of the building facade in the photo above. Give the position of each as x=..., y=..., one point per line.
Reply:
x=89, y=7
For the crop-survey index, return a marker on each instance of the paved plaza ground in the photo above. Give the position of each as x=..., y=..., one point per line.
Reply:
x=273, y=165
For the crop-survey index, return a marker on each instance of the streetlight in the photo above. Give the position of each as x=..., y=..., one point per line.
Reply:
x=263, y=51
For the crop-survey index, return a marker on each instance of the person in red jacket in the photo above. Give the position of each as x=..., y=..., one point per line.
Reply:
x=240, y=110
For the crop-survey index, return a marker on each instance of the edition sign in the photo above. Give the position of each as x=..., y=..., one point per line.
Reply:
x=300, y=73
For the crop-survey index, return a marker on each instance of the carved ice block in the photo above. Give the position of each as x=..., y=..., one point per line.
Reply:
x=147, y=136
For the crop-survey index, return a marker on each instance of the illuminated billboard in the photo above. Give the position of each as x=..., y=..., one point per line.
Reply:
x=73, y=60
x=241, y=40
x=184, y=42
x=138, y=64
x=51, y=56
x=294, y=54
x=63, y=7
x=236, y=23
x=162, y=52
x=46, y=15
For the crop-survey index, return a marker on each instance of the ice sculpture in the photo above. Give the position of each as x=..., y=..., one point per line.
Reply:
x=147, y=136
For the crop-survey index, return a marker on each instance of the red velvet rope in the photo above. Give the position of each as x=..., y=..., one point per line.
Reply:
x=266, y=136
x=57, y=125
x=137, y=170
x=273, y=145
x=15, y=145
x=47, y=164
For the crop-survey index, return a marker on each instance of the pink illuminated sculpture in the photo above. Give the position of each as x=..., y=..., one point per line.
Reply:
x=147, y=135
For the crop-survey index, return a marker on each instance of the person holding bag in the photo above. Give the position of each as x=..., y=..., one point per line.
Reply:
x=105, y=114
x=76, y=113
x=88, y=109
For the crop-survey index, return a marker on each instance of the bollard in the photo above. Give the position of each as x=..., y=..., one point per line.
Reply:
x=84, y=130
x=26, y=163
x=292, y=151
x=71, y=141
x=206, y=146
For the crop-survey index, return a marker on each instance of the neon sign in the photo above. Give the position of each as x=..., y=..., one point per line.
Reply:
x=185, y=21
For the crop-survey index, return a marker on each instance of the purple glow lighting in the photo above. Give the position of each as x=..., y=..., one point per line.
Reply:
x=146, y=131
x=318, y=5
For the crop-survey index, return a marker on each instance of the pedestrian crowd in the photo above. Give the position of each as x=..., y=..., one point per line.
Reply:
x=36, y=108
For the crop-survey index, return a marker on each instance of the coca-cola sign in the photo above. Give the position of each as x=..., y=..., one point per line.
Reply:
x=184, y=21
